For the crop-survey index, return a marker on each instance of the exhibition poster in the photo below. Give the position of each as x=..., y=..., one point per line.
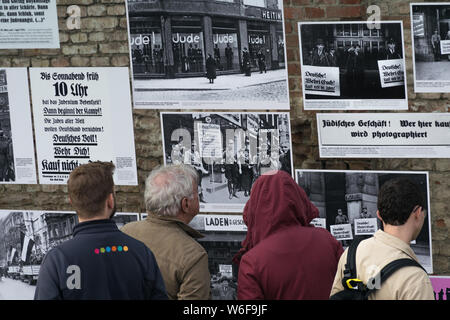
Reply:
x=353, y=65
x=26, y=236
x=228, y=150
x=83, y=115
x=17, y=164
x=26, y=24
x=347, y=204
x=384, y=135
x=211, y=55
x=430, y=37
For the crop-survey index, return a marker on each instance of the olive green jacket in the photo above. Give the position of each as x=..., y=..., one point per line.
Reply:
x=182, y=260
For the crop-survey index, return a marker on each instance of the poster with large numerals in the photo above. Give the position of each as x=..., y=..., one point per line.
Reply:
x=82, y=115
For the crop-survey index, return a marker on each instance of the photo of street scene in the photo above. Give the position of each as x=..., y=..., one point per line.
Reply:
x=431, y=46
x=197, y=54
x=347, y=203
x=25, y=238
x=229, y=150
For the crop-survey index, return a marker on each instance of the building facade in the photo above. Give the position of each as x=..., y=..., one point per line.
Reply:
x=173, y=38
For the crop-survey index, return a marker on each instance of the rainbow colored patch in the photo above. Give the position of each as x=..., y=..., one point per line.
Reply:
x=111, y=249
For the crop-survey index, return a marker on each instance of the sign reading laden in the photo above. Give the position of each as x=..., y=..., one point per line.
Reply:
x=445, y=46
x=391, y=73
x=217, y=222
x=322, y=81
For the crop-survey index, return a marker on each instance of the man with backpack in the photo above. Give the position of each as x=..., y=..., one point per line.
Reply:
x=384, y=267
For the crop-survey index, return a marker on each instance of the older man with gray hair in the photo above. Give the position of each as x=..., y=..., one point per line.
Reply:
x=171, y=200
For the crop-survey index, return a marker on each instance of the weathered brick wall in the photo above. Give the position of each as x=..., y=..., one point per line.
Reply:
x=102, y=41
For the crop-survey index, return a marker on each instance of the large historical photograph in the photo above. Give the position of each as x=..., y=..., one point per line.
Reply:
x=353, y=65
x=347, y=203
x=25, y=238
x=430, y=23
x=229, y=150
x=196, y=54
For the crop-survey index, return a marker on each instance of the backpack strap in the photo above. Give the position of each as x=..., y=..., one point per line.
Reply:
x=350, y=280
x=393, y=266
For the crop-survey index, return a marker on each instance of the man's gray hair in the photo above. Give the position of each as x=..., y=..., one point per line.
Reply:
x=166, y=186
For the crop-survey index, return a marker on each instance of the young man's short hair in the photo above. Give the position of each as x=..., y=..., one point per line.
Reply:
x=89, y=185
x=397, y=199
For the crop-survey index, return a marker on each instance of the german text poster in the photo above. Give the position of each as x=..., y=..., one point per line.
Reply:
x=82, y=115
x=384, y=135
x=28, y=24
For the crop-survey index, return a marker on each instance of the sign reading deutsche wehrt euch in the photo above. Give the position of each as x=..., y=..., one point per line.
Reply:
x=82, y=115
x=28, y=24
x=384, y=135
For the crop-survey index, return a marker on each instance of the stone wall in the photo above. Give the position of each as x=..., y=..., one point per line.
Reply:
x=102, y=41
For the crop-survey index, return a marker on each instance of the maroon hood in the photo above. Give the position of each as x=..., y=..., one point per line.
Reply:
x=277, y=202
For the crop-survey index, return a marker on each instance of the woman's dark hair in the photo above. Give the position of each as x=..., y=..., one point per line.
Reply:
x=397, y=199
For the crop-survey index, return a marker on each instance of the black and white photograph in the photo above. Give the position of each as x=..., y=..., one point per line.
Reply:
x=196, y=54
x=223, y=237
x=229, y=150
x=353, y=65
x=17, y=165
x=347, y=203
x=7, y=172
x=430, y=24
x=25, y=238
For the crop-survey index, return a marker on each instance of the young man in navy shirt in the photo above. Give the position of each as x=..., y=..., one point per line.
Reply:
x=99, y=262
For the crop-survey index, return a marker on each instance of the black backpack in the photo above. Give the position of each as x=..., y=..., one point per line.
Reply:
x=354, y=288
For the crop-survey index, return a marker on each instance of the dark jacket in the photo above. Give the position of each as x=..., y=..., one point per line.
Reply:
x=283, y=256
x=100, y=263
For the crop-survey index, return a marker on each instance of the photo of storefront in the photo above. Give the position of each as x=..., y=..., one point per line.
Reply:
x=238, y=45
x=219, y=28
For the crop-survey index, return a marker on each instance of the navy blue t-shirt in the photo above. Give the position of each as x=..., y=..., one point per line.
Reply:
x=100, y=263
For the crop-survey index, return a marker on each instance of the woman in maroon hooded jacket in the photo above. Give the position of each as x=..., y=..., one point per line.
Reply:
x=283, y=256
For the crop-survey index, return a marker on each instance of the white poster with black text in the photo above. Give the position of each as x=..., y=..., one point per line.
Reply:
x=29, y=24
x=82, y=115
x=384, y=135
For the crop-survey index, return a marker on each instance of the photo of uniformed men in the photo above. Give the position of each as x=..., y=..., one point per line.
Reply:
x=355, y=48
x=229, y=151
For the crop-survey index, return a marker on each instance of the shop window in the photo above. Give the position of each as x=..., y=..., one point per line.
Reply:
x=146, y=51
x=188, y=51
x=226, y=50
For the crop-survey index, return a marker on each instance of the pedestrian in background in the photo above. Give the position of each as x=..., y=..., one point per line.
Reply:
x=210, y=68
